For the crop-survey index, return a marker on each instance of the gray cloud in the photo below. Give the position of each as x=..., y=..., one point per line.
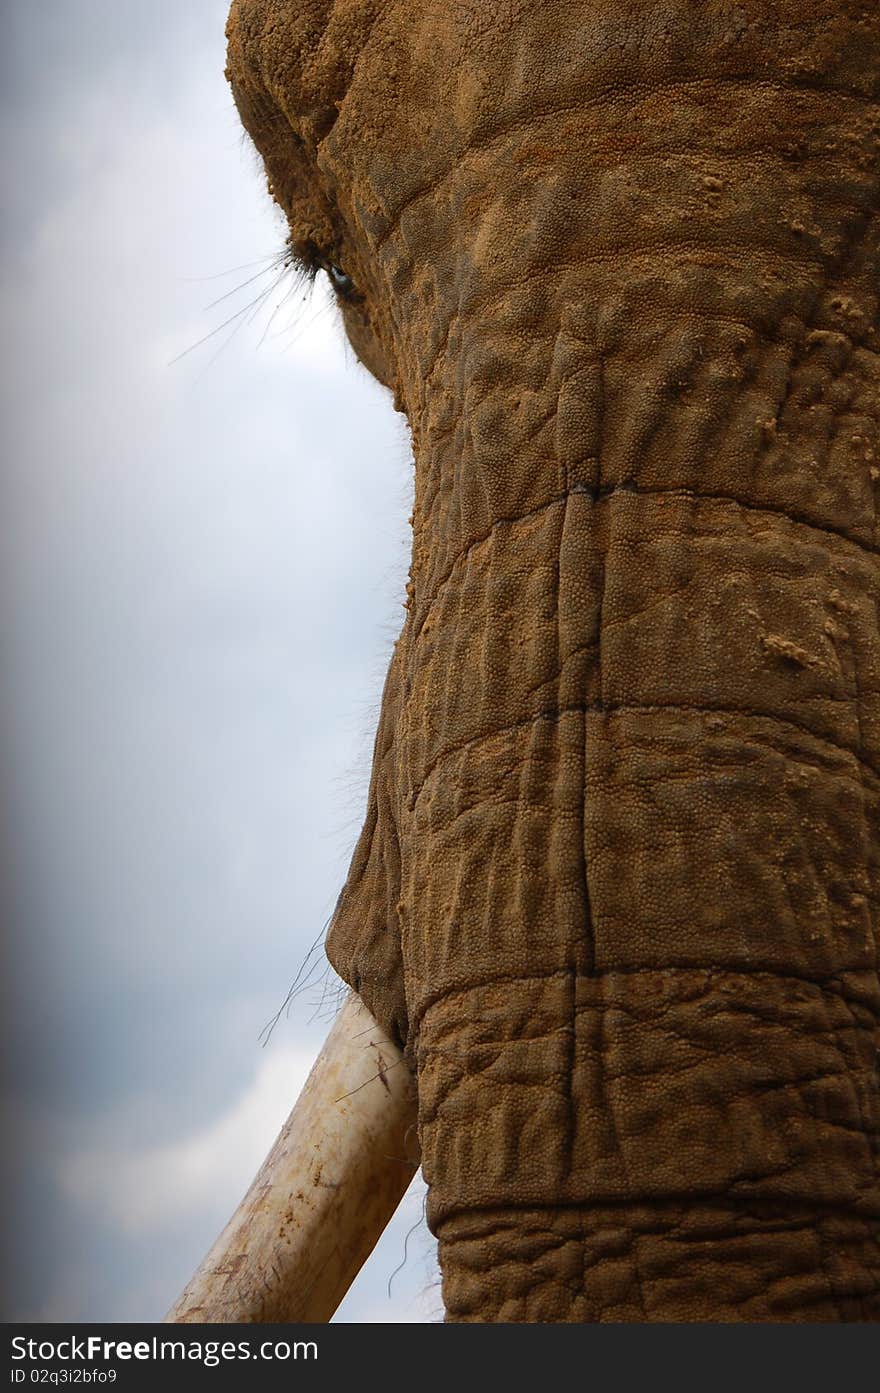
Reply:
x=198, y=593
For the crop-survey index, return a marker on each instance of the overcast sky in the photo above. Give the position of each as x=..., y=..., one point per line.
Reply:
x=201, y=579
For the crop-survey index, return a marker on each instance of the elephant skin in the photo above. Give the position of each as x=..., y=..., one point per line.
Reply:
x=616, y=893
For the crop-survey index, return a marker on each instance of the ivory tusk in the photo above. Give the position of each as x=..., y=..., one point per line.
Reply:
x=325, y=1192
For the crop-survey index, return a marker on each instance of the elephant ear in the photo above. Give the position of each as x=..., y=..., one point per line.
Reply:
x=364, y=937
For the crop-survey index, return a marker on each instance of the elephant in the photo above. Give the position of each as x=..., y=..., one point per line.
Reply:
x=615, y=898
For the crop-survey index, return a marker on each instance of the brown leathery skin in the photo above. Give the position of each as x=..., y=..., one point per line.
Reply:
x=617, y=888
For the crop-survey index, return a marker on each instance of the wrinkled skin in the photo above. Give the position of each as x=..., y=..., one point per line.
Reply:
x=617, y=889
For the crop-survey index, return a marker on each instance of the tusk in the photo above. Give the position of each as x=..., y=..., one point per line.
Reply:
x=325, y=1192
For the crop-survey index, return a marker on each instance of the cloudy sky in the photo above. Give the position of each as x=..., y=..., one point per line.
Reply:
x=201, y=575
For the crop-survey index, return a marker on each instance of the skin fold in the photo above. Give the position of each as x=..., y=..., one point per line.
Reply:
x=616, y=893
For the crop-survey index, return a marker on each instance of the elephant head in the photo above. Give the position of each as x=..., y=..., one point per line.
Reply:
x=616, y=894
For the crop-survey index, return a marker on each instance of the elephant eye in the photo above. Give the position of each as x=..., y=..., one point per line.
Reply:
x=341, y=282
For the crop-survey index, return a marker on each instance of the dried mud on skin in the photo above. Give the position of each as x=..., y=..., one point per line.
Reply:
x=616, y=892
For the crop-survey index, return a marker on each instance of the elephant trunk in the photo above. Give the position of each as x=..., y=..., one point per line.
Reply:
x=616, y=894
x=617, y=889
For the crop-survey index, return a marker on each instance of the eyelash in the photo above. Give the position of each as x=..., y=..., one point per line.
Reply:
x=310, y=256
